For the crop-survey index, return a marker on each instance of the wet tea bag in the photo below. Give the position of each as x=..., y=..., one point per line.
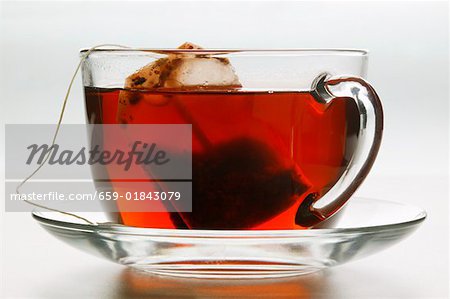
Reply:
x=238, y=183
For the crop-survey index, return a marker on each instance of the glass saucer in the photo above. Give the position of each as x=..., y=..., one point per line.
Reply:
x=363, y=227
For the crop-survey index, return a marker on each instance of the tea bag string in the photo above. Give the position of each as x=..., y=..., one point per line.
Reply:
x=58, y=125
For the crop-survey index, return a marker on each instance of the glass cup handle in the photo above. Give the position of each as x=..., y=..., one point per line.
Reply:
x=325, y=89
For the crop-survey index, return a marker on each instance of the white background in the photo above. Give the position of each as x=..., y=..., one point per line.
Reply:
x=409, y=62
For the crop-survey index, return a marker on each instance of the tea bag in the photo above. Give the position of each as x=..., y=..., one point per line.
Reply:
x=237, y=183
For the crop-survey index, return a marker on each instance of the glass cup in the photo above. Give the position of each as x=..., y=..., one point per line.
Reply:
x=282, y=145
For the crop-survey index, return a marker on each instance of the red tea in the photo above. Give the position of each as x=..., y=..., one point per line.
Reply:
x=256, y=155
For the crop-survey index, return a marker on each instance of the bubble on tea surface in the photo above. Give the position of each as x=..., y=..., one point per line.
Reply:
x=176, y=71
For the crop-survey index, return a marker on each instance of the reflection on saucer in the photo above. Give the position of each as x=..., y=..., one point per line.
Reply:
x=136, y=284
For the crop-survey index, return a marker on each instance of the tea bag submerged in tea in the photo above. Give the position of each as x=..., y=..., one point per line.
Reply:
x=239, y=178
x=240, y=184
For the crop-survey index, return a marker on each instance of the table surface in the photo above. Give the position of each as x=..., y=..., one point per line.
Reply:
x=36, y=265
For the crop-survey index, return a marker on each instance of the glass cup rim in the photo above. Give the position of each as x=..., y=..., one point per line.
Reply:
x=274, y=51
